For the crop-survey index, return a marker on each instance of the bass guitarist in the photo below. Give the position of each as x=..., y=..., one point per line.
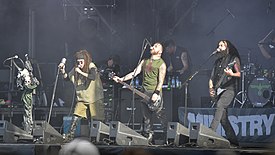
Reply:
x=154, y=70
x=227, y=79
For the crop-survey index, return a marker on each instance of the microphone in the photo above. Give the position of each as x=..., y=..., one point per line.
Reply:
x=214, y=52
x=63, y=60
x=14, y=57
x=230, y=13
x=62, y=63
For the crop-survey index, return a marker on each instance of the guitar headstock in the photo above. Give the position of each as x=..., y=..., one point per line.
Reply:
x=231, y=64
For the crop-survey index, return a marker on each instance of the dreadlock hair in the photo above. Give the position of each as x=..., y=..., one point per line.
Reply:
x=83, y=54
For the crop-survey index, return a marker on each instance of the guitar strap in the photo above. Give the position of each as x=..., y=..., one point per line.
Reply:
x=224, y=64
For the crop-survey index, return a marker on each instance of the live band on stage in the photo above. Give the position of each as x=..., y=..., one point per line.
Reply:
x=122, y=99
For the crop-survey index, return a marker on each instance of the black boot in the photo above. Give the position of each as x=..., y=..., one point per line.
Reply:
x=70, y=136
x=147, y=131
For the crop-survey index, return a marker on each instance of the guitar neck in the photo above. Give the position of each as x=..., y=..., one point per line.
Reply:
x=139, y=93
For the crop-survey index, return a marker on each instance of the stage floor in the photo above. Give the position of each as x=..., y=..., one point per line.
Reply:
x=53, y=149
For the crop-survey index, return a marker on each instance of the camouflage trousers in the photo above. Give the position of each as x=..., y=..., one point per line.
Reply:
x=27, y=116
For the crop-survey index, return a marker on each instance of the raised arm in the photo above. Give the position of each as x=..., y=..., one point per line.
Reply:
x=130, y=75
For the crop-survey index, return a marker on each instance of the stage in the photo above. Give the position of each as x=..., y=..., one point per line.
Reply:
x=53, y=149
x=258, y=143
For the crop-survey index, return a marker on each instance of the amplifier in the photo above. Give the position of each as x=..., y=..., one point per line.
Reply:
x=125, y=103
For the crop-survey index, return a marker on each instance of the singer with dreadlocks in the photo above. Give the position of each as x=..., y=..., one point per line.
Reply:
x=223, y=85
x=88, y=87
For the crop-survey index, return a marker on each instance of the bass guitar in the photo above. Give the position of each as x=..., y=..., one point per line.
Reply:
x=153, y=106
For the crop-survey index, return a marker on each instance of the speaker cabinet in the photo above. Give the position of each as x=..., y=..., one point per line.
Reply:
x=205, y=137
x=125, y=113
x=10, y=133
x=126, y=97
x=43, y=132
x=123, y=135
x=99, y=131
x=177, y=134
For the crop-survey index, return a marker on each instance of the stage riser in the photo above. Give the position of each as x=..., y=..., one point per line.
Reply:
x=43, y=149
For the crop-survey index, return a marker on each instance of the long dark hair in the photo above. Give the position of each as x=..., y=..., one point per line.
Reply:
x=232, y=49
x=82, y=54
x=232, y=53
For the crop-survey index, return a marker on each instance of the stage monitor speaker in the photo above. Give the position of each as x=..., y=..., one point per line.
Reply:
x=177, y=134
x=99, y=131
x=123, y=135
x=44, y=133
x=10, y=133
x=205, y=137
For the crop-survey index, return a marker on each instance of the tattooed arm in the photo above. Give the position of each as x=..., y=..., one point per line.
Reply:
x=184, y=61
x=162, y=72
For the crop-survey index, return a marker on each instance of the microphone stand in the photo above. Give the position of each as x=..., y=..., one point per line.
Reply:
x=186, y=83
x=53, y=95
x=132, y=82
x=10, y=86
x=11, y=89
x=11, y=66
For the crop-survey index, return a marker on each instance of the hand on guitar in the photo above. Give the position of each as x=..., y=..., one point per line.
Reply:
x=154, y=97
x=228, y=71
x=117, y=79
x=212, y=92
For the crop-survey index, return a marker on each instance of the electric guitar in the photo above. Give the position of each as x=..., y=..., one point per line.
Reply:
x=218, y=89
x=151, y=105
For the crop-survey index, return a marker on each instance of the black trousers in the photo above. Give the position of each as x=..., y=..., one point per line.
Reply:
x=221, y=116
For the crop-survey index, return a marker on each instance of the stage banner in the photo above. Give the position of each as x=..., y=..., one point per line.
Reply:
x=250, y=124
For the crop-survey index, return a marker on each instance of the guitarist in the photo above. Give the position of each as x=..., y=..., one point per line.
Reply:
x=27, y=82
x=154, y=70
x=227, y=79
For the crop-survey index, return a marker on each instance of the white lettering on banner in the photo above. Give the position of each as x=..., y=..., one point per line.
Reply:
x=243, y=125
x=258, y=124
x=255, y=125
x=234, y=122
x=268, y=123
